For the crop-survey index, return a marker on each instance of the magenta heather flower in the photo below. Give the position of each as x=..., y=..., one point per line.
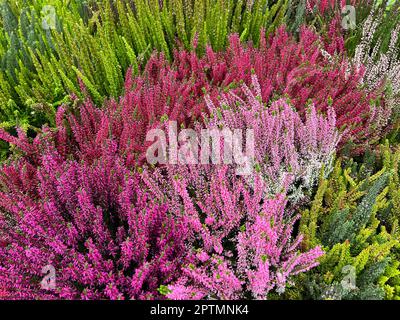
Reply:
x=241, y=244
x=109, y=236
x=91, y=221
x=266, y=245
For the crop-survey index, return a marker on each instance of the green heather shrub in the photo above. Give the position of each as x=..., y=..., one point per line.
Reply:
x=96, y=41
x=390, y=158
x=354, y=216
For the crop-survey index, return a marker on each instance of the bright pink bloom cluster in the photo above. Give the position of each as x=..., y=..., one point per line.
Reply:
x=241, y=243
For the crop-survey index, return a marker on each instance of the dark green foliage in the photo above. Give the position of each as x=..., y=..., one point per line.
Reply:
x=341, y=228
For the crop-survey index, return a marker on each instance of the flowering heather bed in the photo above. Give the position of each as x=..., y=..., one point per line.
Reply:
x=118, y=197
x=306, y=75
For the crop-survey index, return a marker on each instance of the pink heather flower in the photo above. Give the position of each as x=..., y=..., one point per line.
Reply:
x=250, y=246
x=209, y=220
x=288, y=149
x=202, y=256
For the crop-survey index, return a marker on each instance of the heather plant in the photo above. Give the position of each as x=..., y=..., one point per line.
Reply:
x=242, y=243
x=70, y=199
x=148, y=105
x=307, y=74
x=381, y=67
x=227, y=215
x=80, y=209
x=84, y=208
x=379, y=35
x=289, y=152
x=390, y=281
x=390, y=158
x=175, y=91
x=23, y=37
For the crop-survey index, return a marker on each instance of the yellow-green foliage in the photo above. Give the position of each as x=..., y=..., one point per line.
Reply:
x=390, y=159
x=390, y=281
x=349, y=218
